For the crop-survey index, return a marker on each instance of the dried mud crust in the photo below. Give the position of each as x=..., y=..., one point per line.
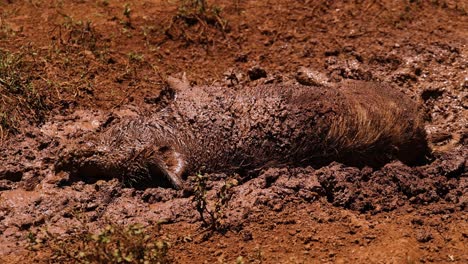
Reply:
x=89, y=55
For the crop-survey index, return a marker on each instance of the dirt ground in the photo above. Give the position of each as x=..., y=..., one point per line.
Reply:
x=66, y=67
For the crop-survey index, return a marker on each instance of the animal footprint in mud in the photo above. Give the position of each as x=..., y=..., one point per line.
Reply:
x=244, y=131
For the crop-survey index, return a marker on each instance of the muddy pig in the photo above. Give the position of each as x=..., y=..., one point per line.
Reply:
x=210, y=129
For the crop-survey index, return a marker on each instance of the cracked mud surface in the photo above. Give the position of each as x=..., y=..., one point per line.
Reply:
x=92, y=76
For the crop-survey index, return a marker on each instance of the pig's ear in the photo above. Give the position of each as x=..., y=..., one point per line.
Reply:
x=178, y=84
x=166, y=166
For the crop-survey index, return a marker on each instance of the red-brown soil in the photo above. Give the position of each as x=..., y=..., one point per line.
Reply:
x=67, y=67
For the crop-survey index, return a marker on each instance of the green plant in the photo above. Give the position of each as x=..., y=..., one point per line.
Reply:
x=198, y=5
x=15, y=80
x=127, y=13
x=113, y=244
x=212, y=212
x=135, y=57
x=78, y=33
x=17, y=92
x=196, y=21
x=10, y=74
x=198, y=11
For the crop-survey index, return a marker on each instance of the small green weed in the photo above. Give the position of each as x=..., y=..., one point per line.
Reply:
x=18, y=95
x=127, y=14
x=11, y=78
x=212, y=212
x=196, y=21
x=76, y=34
x=135, y=57
x=113, y=244
x=198, y=11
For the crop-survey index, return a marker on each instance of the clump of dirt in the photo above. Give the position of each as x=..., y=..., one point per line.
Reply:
x=396, y=184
